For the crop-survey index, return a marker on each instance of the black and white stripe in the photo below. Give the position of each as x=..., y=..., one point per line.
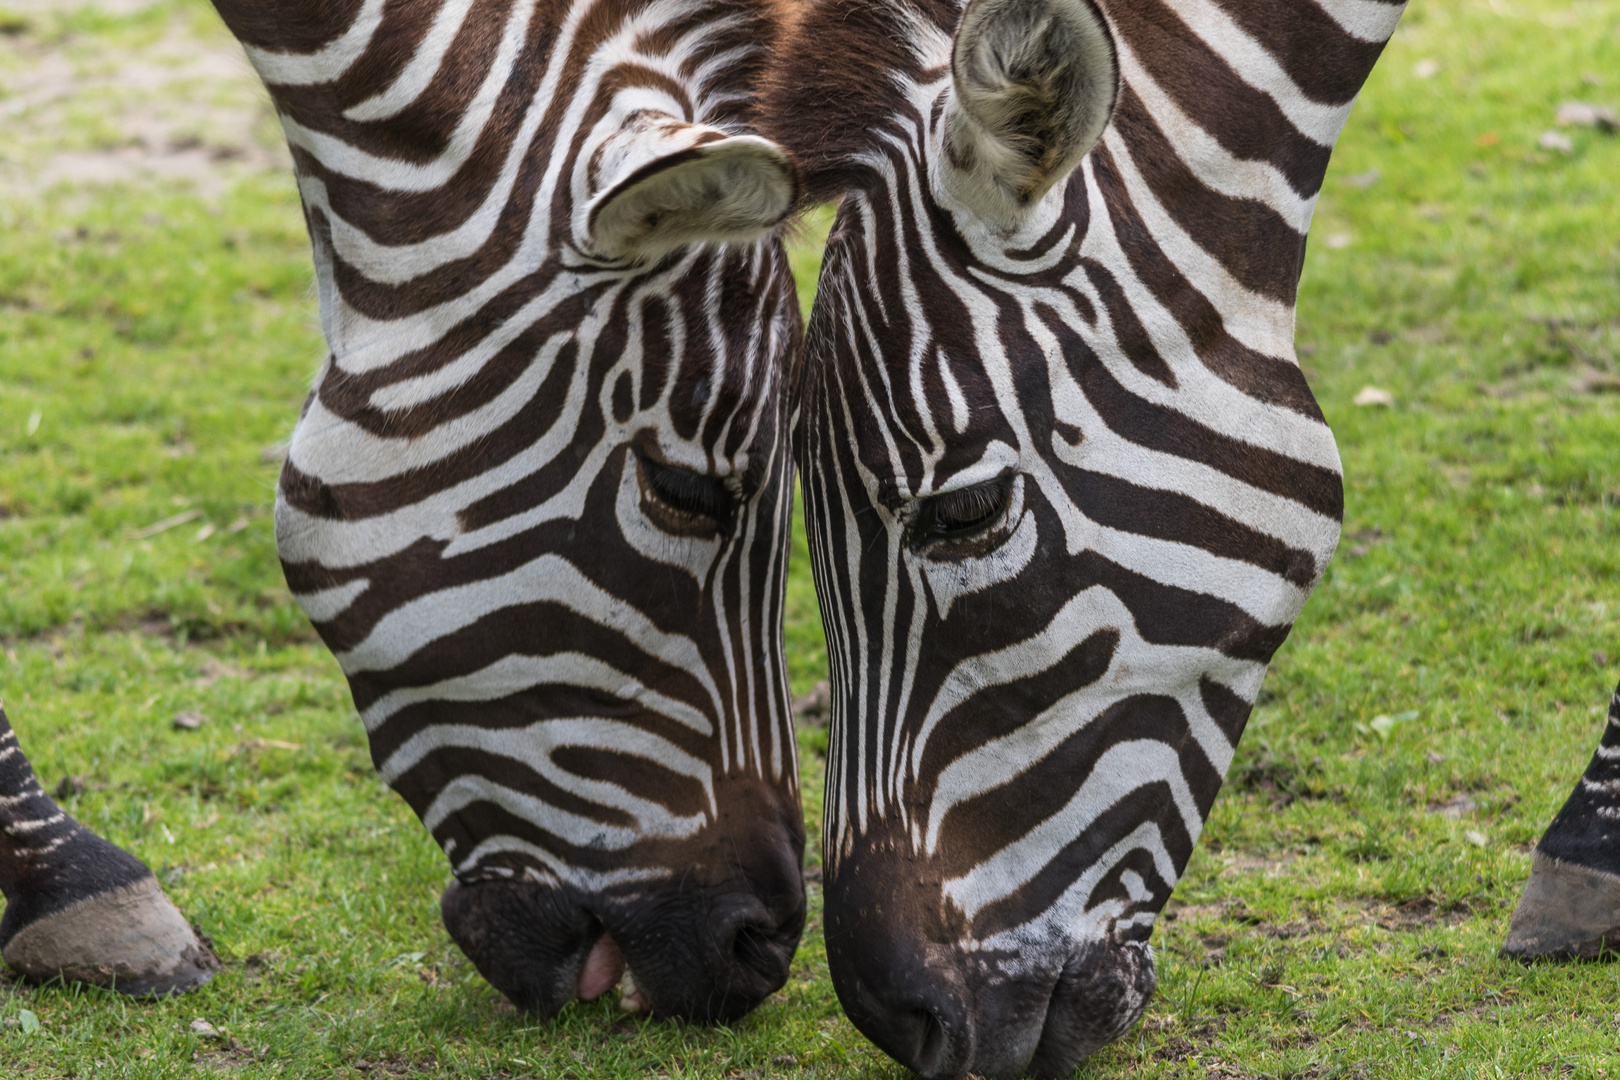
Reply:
x=1067, y=489
x=560, y=663
x=538, y=501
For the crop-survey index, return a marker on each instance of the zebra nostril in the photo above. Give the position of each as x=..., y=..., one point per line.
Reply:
x=748, y=948
x=933, y=1054
x=915, y=1008
x=931, y=1037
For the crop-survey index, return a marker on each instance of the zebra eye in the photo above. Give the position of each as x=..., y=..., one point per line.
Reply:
x=687, y=491
x=960, y=514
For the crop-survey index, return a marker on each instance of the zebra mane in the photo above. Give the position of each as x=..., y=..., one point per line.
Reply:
x=839, y=78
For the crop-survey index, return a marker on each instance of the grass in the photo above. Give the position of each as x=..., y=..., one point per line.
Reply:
x=1429, y=714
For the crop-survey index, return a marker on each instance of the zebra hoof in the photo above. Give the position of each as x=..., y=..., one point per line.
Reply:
x=1567, y=912
x=131, y=939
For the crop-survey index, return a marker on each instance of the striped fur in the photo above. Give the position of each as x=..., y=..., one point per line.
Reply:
x=538, y=502
x=1032, y=715
x=576, y=682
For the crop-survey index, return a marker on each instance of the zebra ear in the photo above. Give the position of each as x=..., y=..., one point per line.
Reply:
x=1034, y=83
x=671, y=184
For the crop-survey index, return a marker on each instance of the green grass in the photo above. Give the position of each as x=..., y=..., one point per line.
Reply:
x=1342, y=915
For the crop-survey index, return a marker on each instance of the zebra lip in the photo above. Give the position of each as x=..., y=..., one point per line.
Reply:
x=603, y=968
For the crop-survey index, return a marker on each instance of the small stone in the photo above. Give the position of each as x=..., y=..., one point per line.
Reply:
x=1338, y=240
x=1581, y=114
x=1372, y=395
x=1426, y=69
x=189, y=720
x=1478, y=839
x=203, y=1029
x=1555, y=140
x=1364, y=180
x=1455, y=807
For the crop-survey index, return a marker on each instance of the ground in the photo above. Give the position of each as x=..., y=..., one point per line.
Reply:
x=1342, y=915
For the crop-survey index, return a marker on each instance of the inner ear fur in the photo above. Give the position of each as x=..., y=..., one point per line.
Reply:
x=1033, y=85
x=731, y=188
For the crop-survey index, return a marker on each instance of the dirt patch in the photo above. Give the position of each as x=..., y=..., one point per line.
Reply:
x=1455, y=807
x=1362, y=541
x=391, y=1068
x=1282, y=782
x=213, y=670
x=165, y=104
x=1420, y=914
x=229, y=1056
x=1246, y=865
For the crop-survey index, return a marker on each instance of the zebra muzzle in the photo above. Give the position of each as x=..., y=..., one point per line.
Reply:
x=707, y=955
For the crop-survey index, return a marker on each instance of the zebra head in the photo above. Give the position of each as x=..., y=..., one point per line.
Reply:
x=538, y=501
x=1066, y=487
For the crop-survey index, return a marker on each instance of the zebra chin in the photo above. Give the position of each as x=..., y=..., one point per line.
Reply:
x=948, y=1010
x=701, y=946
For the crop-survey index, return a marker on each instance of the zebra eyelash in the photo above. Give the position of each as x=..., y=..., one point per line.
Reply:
x=688, y=492
x=963, y=514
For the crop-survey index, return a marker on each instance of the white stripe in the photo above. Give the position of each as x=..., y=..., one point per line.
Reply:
x=35, y=825
x=516, y=674
x=418, y=74
x=548, y=579
x=1367, y=20
x=327, y=64
x=394, y=175
x=1207, y=159
x=1261, y=323
x=328, y=604
x=1252, y=63
x=1116, y=775
x=534, y=746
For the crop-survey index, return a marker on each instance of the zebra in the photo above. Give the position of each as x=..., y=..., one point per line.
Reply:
x=1065, y=485
x=538, y=501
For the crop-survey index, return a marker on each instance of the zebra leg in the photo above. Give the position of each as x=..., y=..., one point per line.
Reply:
x=1571, y=907
x=81, y=908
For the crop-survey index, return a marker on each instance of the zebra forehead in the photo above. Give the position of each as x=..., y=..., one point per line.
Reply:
x=884, y=47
